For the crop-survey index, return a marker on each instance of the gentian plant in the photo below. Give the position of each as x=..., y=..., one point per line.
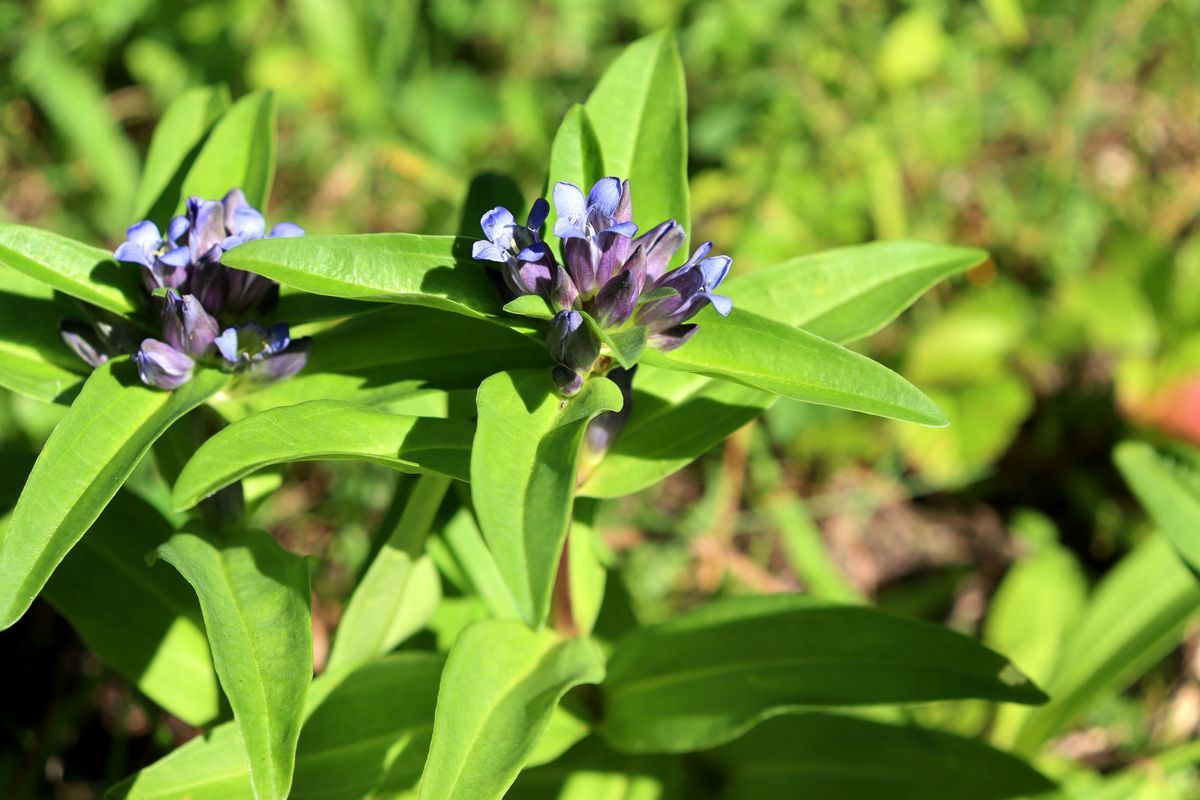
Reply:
x=523, y=381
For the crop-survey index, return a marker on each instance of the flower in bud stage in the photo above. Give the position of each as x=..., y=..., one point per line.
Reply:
x=161, y=365
x=567, y=381
x=694, y=286
x=187, y=326
x=84, y=342
x=571, y=342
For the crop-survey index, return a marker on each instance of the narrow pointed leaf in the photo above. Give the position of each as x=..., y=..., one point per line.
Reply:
x=255, y=600
x=849, y=292
x=624, y=345
x=365, y=731
x=34, y=360
x=500, y=685
x=523, y=470
x=1169, y=489
x=575, y=156
x=639, y=112
x=1123, y=631
x=843, y=758
x=709, y=676
x=325, y=430
x=789, y=362
x=73, y=268
x=239, y=153
x=400, y=590
x=434, y=271
x=107, y=430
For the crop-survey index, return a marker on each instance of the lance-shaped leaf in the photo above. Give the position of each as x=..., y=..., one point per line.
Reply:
x=176, y=142
x=639, y=111
x=377, y=357
x=523, y=468
x=255, y=600
x=34, y=361
x=843, y=758
x=107, y=430
x=364, y=731
x=239, y=153
x=709, y=676
x=677, y=417
x=593, y=770
x=141, y=620
x=434, y=271
x=850, y=292
x=73, y=268
x=1122, y=632
x=575, y=156
x=325, y=430
x=400, y=590
x=500, y=685
x=1169, y=489
x=789, y=362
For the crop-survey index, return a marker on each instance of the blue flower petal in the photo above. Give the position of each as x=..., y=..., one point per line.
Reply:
x=131, y=253
x=605, y=195
x=486, y=251
x=720, y=302
x=571, y=209
x=538, y=214
x=178, y=227
x=286, y=230
x=227, y=343
x=497, y=226
x=145, y=234
x=715, y=269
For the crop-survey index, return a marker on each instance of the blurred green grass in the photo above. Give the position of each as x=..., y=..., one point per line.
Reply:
x=1063, y=137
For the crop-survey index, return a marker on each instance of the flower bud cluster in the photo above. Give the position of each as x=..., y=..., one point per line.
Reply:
x=191, y=291
x=608, y=272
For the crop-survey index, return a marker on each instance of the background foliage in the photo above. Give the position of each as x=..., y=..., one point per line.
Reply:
x=1062, y=137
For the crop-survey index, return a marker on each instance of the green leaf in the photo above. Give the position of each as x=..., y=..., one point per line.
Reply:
x=239, y=153
x=255, y=599
x=79, y=270
x=530, y=305
x=677, y=417
x=707, y=677
x=377, y=357
x=434, y=271
x=177, y=139
x=639, y=111
x=107, y=430
x=789, y=362
x=364, y=732
x=324, y=430
x=400, y=590
x=500, y=685
x=624, y=345
x=142, y=621
x=523, y=468
x=75, y=104
x=1030, y=617
x=849, y=292
x=480, y=574
x=592, y=770
x=34, y=361
x=586, y=574
x=1123, y=631
x=575, y=156
x=843, y=758
x=1169, y=489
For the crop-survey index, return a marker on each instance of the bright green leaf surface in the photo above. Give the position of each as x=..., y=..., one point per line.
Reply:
x=71, y=267
x=709, y=676
x=325, y=430
x=177, y=136
x=366, y=731
x=849, y=292
x=639, y=112
x=500, y=685
x=400, y=590
x=1123, y=631
x=435, y=271
x=523, y=469
x=107, y=430
x=239, y=153
x=624, y=345
x=255, y=599
x=591, y=770
x=1169, y=490
x=141, y=620
x=789, y=362
x=843, y=758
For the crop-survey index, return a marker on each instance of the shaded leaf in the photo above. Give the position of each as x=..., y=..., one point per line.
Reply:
x=79, y=270
x=239, y=153
x=176, y=141
x=1169, y=489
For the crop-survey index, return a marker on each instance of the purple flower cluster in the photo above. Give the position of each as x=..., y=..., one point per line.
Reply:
x=617, y=277
x=192, y=290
